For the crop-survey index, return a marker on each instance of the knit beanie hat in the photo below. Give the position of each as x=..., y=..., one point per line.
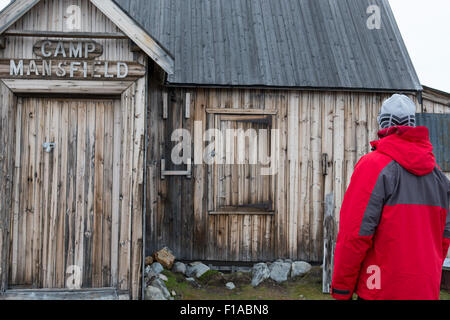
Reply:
x=399, y=110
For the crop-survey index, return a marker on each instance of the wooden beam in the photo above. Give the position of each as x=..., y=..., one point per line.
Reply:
x=241, y=111
x=258, y=213
x=46, y=294
x=329, y=242
x=56, y=34
x=151, y=47
x=67, y=86
x=14, y=12
x=188, y=105
x=165, y=105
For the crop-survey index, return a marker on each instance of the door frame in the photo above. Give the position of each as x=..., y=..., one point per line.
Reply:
x=88, y=89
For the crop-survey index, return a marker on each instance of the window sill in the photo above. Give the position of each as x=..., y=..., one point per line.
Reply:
x=241, y=211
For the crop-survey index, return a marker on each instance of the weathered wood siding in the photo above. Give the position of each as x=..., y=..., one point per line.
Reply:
x=123, y=212
x=7, y=145
x=340, y=125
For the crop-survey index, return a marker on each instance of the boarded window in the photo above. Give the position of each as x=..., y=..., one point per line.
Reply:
x=438, y=124
x=239, y=177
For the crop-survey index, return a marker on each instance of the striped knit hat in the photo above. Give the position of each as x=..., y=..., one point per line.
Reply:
x=399, y=110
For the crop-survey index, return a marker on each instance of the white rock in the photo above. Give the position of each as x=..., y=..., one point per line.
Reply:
x=158, y=283
x=149, y=273
x=300, y=268
x=157, y=268
x=260, y=273
x=153, y=293
x=279, y=271
x=197, y=269
x=230, y=286
x=179, y=267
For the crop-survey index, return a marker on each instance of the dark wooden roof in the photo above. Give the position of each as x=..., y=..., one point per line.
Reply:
x=283, y=43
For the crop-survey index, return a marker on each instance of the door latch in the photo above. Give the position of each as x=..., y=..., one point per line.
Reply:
x=48, y=147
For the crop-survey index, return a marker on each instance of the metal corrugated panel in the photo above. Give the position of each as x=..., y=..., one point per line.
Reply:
x=439, y=126
x=282, y=43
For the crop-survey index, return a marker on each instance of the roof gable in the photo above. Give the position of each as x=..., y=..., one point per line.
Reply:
x=15, y=10
x=283, y=43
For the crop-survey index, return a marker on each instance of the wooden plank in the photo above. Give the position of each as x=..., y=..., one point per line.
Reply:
x=16, y=192
x=70, y=237
x=107, y=193
x=65, y=86
x=329, y=243
x=238, y=212
x=362, y=140
x=98, y=192
x=71, y=35
x=24, y=190
x=188, y=105
x=306, y=176
x=46, y=193
x=126, y=195
x=52, y=212
x=62, y=196
x=90, y=160
x=241, y=111
x=31, y=119
x=338, y=156
x=165, y=105
x=38, y=188
x=101, y=294
x=80, y=186
x=316, y=213
x=200, y=201
x=116, y=209
x=136, y=260
x=294, y=174
x=277, y=100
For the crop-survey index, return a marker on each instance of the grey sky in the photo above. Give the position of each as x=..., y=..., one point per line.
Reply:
x=425, y=26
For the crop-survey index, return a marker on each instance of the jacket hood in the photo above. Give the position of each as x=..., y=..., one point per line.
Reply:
x=410, y=147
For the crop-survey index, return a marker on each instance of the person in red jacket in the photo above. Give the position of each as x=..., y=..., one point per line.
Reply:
x=394, y=231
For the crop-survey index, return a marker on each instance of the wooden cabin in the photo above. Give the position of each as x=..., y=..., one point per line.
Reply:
x=96, y=96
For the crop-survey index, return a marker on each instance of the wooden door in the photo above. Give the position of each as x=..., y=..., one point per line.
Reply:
x=61, y=226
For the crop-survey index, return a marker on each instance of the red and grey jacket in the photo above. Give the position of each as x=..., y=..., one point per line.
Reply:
x=394, y=231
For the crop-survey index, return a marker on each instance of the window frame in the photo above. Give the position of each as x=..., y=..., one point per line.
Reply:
x=215, y=117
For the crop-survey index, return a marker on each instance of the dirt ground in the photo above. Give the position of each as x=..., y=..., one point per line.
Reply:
x=211, y=286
